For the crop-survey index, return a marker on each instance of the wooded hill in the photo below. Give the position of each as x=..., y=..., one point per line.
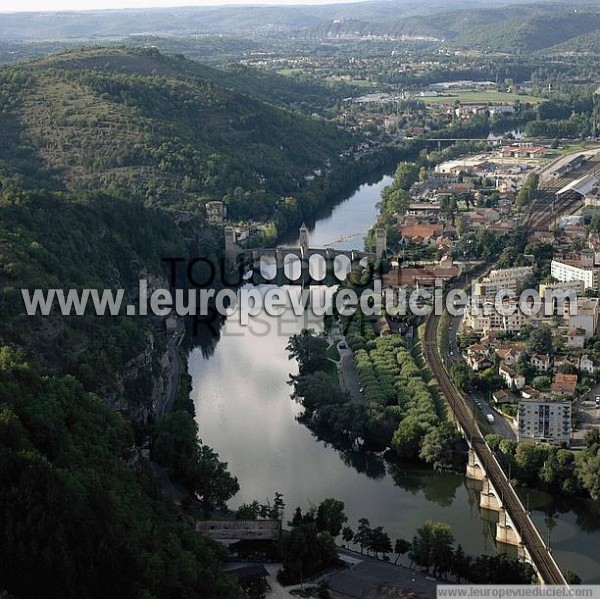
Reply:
x=165, y=130
x=98, y=149
x=510, y=29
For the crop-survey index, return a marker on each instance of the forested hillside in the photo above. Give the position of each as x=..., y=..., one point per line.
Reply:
x=77, y=519
x=106, y=160
x=161, y=130
x=532, y=33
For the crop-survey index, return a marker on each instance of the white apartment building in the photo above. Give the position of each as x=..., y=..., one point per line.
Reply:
x=566, y=272
x=507, y=278
x=483, y=317
x=544, y=420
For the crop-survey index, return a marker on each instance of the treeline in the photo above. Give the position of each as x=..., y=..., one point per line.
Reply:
x=432, y=549
x=550, y=468
x=398, y=411
x=528, y=189
x=308, y=548
x=81, y=515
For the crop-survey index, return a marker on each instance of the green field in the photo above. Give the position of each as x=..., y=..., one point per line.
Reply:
x=483, y=97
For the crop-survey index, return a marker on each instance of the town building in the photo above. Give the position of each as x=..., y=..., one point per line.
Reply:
x=509, y=278
x=216, y=212
x=566, y=271
x=544, y=420
x=586, y=318
x=512, y=379
x=564, y=384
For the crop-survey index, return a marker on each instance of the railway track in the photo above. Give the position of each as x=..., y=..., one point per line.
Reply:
x=542, y=558
x=543, y=211
x=544, y=208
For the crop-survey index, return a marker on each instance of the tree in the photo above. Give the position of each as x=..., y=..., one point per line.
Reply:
x=278, y=506
x=461, y=565
x=248, y=511
x=213, y=485
x=567, y=369
x=330, y=516
x=401, y=547
x=361, y=538
x=309, y=349
x=571, y=577
x=437, y=446
x=527, y=190
x=461, y=225
x=442, y=549
x=540, y=340
x=306, y=551
x=588, y=471
x=347, y=535
x=432, y=547
x=379, y=541
x=500, y=569
x=297, y=519
x=196, y=466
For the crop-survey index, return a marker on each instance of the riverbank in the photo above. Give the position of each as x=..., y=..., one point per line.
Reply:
x=242, y=402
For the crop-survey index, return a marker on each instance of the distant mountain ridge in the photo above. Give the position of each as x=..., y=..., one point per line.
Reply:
x=494, y=26
x=239, y=20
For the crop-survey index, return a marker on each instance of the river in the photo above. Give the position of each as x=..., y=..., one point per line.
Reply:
x=244, y=411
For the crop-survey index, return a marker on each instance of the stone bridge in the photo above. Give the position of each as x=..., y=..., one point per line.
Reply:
x=331, y=263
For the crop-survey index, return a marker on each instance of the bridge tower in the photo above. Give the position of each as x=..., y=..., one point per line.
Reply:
x=304, y=242
x=232, y=249
x=380, y=242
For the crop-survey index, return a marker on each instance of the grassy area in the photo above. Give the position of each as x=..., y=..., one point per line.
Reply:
x=331, y=370
x=571, y=149
x=333, y=353
x=482, y=97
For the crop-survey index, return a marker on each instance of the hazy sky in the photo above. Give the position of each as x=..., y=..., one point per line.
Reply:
x=28, y=5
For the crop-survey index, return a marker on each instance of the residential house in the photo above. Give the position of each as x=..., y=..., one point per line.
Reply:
x=529, y=392
x=587, y=365
x=512, y=379
x=541, y=362
x=575, y=338
x=478, y=357
x=564, y=384
x=502, y=396
x=509, y=355
x=423, y=233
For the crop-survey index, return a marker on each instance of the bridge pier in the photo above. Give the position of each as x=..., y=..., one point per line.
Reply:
x=475, y=470
x=506, y=531
x=488, y=498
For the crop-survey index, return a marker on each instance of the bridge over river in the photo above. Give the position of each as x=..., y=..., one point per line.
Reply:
x=302, y=264
x=515, y=526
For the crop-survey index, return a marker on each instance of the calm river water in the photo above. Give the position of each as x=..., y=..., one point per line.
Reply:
x=245, y=413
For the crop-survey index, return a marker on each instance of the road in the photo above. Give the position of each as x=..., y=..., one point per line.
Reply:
x=347, y=373
x=500, y=425
x=173, y=341
x=544, y=562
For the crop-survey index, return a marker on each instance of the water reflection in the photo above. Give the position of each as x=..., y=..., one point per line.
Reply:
x=244, y=411
x=243, y=407
x=440, y=489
